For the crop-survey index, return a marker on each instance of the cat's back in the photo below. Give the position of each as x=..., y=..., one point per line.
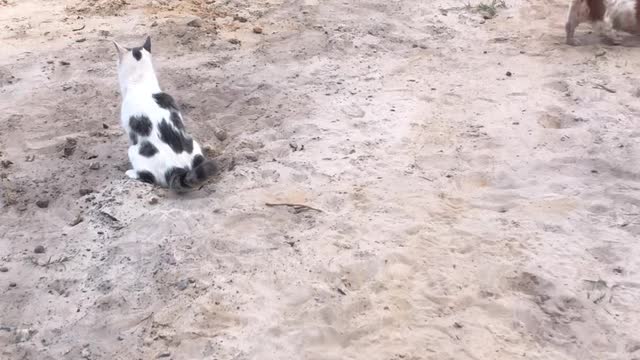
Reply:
x=141, y=103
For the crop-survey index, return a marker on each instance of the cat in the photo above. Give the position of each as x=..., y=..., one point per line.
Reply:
x=161, y=152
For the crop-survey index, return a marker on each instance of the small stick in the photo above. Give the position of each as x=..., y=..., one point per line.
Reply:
x=81, y=28
x=602, y=87
x=297, y=207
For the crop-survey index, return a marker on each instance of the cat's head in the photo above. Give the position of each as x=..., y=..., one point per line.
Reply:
x=134, y=64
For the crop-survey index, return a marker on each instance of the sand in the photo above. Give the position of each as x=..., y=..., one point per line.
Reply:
x=478, y=181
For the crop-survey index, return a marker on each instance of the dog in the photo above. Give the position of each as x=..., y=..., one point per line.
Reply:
x=607, y=16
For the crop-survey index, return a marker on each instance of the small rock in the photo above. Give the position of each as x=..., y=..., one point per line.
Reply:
x=76, y=221
x=257, y=30
x=104, y=33
x=509, y=73
x=120, y=338
x=69, y=147
x=153, y=201
x=65, y=63
x=85, y=353
x=457, y=325
x=12, y=284
x=105, y=126
x=94, y=166
x=220, y=134
x=4, y=269
x=85, y=191
x=23, y=335
x=197, y=22
x=182, y=284
x=251, y=156
x=164, y=355
x=81, y=40
x=234, y=41
x=209, y=151
x=30, y=158
x=42, y=203
x=239, y=18
x=66, y=87
x=154, y=24
x=39, y=249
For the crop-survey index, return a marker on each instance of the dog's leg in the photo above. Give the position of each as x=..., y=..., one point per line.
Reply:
x=573, y=20
x=608, y=33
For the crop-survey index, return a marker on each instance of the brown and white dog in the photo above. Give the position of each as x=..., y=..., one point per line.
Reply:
x=608, y=16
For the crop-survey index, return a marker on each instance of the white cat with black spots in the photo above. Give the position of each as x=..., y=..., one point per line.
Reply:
x=161, y=151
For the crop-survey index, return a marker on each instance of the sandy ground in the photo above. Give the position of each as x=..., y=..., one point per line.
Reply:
x=479, y=183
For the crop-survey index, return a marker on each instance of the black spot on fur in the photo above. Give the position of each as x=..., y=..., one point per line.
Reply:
x=201, y=173
x=196, y=161
x=175, y=177
x=187, y=144
x=137, y=53
x=134, y=138
x=172, y=137
x=175, y=119
x=147, y=149
x=147, y=44
x=141, y=125
x=165, y=101
x=146, y=176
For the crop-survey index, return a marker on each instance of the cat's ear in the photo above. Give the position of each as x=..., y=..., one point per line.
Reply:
x=147, y=44
x=121, y=49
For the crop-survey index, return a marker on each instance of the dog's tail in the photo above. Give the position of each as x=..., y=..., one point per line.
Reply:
x=182, y=180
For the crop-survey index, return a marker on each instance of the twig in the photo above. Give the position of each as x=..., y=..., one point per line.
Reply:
x=602, y=87
x=297, y=207
x=60, y=261
x=81, y=28
x=600, y=298
x=143, y=319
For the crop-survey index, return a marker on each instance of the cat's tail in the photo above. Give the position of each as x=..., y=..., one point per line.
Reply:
x=181, y=180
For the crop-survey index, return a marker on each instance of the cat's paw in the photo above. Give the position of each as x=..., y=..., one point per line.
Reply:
x=132, y=174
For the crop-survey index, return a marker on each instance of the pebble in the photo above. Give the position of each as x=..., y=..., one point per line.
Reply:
x=257, y=30
x=182, y=284
x=241, y=19
x=85, y=191
x=153, y=201
x=220, y=134
x=12, y=284
x=509, y=73
x=251, y=156
x=65, y=63
x=94, y=166
x=104, y=33
x=164, y=355
x=77, y=221
x=197, y=22
x=234, y=41
x=42, y=203
x=4, y=269
x=39, y=249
